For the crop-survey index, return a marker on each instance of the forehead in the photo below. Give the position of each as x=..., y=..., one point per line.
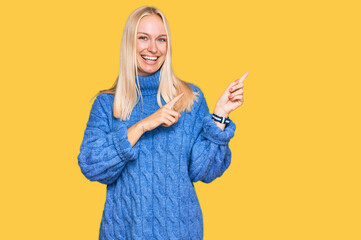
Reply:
x=152, y=25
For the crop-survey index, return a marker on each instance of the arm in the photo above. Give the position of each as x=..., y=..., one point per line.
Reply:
x=104, y=153
x=210, y=154
x=135, y=132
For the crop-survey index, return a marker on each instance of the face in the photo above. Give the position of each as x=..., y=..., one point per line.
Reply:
x=151, y=44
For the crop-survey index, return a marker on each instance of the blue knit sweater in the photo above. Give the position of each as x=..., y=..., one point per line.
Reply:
x=150, y=191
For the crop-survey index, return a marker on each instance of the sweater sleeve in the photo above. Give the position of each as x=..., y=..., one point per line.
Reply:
x=210, y=154
x=104, y=152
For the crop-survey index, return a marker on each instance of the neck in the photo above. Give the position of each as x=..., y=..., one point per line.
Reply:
x=149, y=84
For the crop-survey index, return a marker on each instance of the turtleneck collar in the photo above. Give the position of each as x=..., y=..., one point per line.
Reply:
x=149, y=84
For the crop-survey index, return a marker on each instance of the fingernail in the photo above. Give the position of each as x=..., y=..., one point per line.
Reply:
x=230, y=89
x=229, y=96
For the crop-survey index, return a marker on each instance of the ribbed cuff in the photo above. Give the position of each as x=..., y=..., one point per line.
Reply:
x=122, y=144
x=214, y=133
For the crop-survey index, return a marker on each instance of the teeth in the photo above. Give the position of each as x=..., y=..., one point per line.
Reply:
x=150, y=58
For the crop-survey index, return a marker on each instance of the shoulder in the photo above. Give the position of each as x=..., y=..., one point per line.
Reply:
x=103, y=103
x=104, y=98
x=199, y=98
x=195, y=88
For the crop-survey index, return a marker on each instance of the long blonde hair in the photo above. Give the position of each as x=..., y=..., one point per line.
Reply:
x=127, y=93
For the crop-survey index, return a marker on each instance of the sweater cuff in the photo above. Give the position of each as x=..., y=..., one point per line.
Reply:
x=122, y=144
x=215, y=134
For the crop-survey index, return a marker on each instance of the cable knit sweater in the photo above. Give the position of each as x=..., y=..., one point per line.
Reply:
x=150, y=191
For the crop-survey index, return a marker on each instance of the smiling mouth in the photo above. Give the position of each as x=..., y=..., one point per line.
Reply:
x=150, y=58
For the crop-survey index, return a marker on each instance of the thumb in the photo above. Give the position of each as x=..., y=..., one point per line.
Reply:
x=171, y=103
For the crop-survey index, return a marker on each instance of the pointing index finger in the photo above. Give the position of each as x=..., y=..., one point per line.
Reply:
x=243, y=77
x=171, y=103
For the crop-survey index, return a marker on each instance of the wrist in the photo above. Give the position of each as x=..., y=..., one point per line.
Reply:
x=141, y=126
x=220, y=113
x=219, y=119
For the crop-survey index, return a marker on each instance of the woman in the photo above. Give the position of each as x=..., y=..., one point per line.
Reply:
x=148, y=153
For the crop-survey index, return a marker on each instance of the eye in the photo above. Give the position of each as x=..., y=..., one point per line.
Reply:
x=143, y=38
x=162, y=39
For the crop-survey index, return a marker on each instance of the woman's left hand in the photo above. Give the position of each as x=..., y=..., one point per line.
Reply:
x=231, y=98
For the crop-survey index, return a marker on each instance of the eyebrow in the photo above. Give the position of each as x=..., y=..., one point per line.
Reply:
x=162, y=35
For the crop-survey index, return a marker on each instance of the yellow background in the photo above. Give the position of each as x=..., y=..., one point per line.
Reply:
x=295, y=171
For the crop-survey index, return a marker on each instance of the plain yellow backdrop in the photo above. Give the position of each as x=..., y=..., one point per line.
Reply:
x=295, y=170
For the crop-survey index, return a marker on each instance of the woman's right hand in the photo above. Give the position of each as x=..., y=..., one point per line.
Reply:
x=164, y=116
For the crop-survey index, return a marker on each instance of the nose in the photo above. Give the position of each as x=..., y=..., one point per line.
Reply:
x=152, y=47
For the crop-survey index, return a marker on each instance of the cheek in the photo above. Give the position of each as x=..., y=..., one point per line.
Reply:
x=139, y=47
x=163, y=49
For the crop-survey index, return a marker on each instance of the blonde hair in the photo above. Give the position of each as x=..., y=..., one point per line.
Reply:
x=127, y=93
